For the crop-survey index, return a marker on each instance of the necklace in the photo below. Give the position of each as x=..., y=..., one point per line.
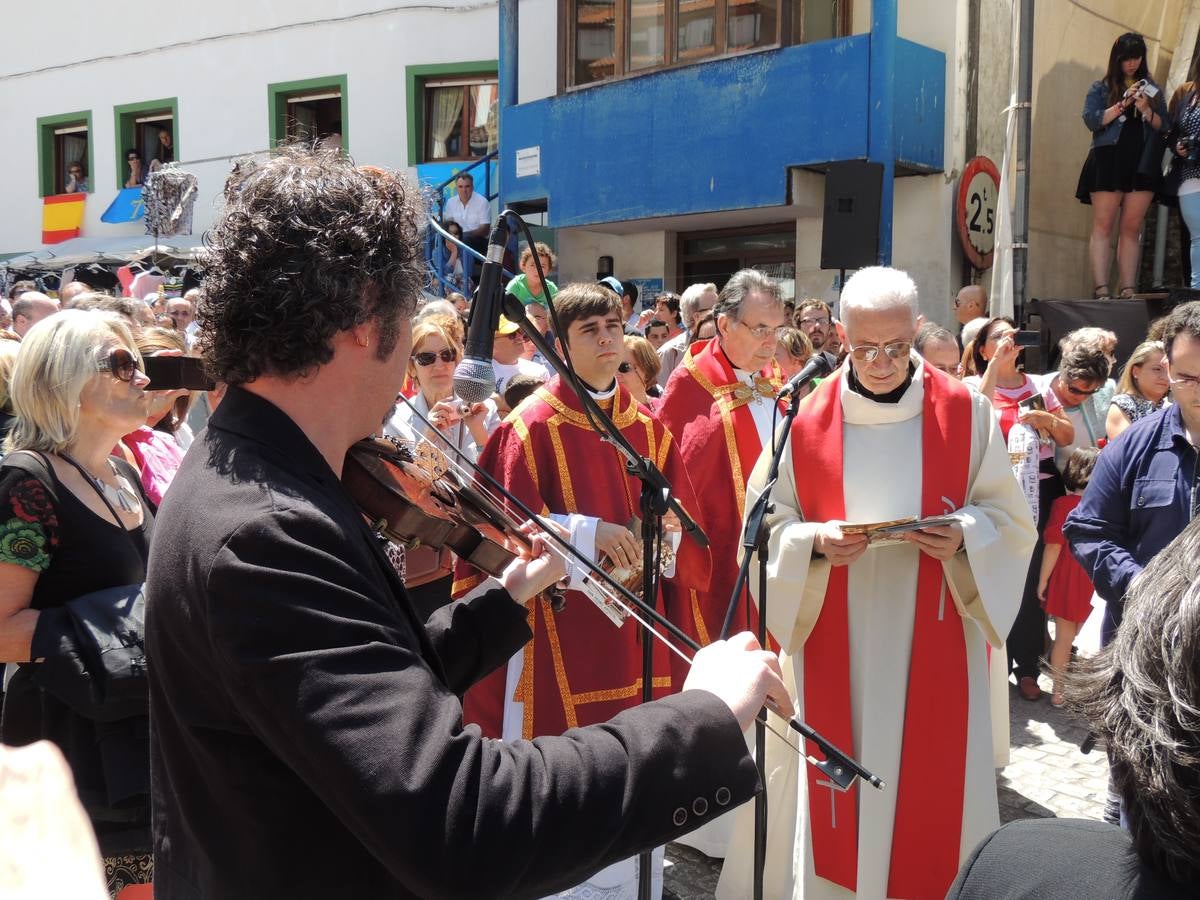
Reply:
x=122, y=496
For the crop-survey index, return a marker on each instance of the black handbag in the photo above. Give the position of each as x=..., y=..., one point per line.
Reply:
x=93, y=647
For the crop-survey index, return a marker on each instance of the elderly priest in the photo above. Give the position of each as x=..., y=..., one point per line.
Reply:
x=887, y=636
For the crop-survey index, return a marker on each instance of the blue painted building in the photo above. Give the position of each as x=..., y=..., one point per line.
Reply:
x=679, y=169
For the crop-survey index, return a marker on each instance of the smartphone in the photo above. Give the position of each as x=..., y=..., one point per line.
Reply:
x=173, y=373
x=1027, y=338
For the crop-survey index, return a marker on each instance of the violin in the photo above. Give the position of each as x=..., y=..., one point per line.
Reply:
x=427, y=505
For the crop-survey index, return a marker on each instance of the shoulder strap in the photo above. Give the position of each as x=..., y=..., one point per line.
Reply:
x=35, y=464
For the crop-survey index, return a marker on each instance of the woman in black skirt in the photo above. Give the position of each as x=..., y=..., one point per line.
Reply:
x=1126, y=113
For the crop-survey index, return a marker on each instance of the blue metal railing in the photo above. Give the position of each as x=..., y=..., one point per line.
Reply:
x=435, y=244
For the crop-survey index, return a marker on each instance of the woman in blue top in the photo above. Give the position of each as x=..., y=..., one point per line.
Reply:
x=1185, y=142
x=1125, y=111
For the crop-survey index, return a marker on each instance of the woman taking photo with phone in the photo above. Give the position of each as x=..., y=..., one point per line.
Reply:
x=1126, y=114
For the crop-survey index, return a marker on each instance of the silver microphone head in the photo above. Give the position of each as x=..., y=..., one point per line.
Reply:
x=474, y=380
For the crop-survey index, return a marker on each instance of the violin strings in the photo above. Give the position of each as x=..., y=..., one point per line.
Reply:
x=557, y=539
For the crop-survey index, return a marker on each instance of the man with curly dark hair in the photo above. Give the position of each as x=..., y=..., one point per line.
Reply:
x=307, y=730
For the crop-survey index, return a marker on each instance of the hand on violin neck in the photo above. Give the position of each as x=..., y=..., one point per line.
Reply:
x=742, y=675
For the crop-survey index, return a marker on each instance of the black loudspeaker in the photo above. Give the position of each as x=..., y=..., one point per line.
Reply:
x=850, y=232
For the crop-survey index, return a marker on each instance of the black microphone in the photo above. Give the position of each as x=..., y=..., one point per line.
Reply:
x=816, y=366
x=474, y=377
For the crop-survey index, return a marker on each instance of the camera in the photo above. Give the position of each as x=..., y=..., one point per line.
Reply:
x=1143, y=87
x=1190, y=144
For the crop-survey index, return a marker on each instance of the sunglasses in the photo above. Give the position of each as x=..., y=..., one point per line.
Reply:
x=1079, y=392
x=625, y=368
x=121, y=364
x=428, y=358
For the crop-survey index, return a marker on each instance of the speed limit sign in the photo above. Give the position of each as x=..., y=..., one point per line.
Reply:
x=975, y=211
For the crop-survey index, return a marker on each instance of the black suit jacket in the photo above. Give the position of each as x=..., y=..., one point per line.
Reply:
x=307, y=738
x=1061, y=859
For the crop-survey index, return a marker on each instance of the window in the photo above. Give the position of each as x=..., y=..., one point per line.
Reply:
x=65, y=153
x=716, y=255
x=147, y=131
x=309, y=111
x=460, y=118
x=452, y=111
x=611, y=38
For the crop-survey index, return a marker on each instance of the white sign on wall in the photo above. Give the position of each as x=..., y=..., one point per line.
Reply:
x=529, y=161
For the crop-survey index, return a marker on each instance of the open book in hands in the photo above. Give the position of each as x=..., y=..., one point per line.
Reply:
x=882, y=534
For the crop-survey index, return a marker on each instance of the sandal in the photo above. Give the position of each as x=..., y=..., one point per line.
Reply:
x=1101, y=292
x=1128, y=292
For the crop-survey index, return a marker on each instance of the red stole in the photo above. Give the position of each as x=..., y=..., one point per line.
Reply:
x=709, y=361
x=929, y=805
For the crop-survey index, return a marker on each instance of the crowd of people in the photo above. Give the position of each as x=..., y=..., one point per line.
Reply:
x=314, y=689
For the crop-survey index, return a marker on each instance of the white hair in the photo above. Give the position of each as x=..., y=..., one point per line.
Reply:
x=971, y=330
x=690, y=299
x=878, y=288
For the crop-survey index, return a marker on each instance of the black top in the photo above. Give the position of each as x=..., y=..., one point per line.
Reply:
x=308, y=740
x=1061, y=859
x=44, y=527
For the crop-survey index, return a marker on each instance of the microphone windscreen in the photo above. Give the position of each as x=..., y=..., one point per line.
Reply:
x=474, y=380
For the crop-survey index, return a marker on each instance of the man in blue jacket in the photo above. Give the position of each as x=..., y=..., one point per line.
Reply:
x=1143, y=491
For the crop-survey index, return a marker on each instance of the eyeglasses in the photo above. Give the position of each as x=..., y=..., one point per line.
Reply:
x=428, y=358
x=896, y=350
x=121, y=364
x=809, y=320
x=1186, y=382
x=762, y=332
x=132, y=159
x=953, y=371
x=625, y=368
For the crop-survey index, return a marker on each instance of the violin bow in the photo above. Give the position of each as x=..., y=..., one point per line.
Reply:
x=838, y=766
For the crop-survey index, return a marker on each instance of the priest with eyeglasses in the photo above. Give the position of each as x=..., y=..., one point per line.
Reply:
x=886, y=635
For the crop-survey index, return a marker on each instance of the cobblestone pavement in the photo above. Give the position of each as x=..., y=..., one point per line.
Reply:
x=1046, y=776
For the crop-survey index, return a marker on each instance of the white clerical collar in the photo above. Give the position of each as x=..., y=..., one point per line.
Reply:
x=602, y=395
x=861, y=410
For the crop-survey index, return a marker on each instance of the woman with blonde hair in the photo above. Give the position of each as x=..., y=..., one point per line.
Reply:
x=434, y=416
x=1142, y=389
x=793, y=351
x=75, y=522
x=639, y=369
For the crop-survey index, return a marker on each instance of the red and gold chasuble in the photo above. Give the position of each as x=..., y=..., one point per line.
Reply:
x=929, y=805
x=707, y=409
x=579, y=669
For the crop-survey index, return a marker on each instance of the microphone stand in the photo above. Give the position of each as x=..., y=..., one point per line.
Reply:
x=656, y=500
x=755, y=539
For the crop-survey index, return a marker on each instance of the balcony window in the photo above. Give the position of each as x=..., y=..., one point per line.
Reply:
x=310, y=111
x=460, y=118
x=65, y=154
x=605, y=39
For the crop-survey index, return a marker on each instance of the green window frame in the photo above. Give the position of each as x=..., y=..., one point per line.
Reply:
x=124, y=122
x=45, y=144
x=415, y=78
x=277, y=97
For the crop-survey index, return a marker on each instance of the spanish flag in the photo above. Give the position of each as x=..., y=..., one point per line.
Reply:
x=62, y=215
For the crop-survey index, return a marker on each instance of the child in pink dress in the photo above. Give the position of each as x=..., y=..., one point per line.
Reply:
x=1063, y=586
